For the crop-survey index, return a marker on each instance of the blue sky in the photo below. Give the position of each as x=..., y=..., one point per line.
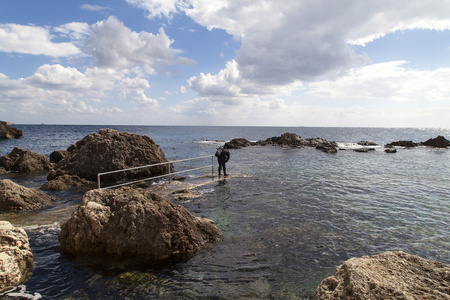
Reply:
x=230, y=62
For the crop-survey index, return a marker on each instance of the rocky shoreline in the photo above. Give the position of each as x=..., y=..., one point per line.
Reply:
x=133, y=222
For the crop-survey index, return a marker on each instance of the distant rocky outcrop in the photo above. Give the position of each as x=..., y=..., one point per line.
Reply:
x=390, y=275
x=366, y=143
x=286, y=140
x=238, y=143
x=439, y=142
x=134, y=222
x=16, y=258
x=24, y=161
x=17, y=198
x=110, y=150
x=406, y=144
x=7, y=132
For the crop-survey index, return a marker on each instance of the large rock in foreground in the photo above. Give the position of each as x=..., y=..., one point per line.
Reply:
x=24, y=161
x=109, y=150
x=391, y=275
x=135, y=223
x=16, y=258
x=7, y=132
x=17, y=198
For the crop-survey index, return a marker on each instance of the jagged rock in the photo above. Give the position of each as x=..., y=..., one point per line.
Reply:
x=109, y=150
x=390, y=275
x=17, y=198
x=366, y=143
x=7, y=132
x=407, y=144
x=24, y=161
x=238, y=143
x=439, y=142
x=16, y=258
x=57, y=156
x=134, y=222
x=65, y=182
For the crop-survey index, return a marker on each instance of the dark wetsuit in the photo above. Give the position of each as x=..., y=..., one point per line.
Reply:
x=223, y=155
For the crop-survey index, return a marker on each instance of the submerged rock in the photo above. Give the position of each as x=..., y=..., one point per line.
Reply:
x=16, y=258
x=110, y=150
x=390, y=275
x=17, y=198
x=439, y=142
x=7, y=132
x=133, y=222
x=24, y=161
x=366, y=143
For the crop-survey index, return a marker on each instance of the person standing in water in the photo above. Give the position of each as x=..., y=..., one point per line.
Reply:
x=223, y=156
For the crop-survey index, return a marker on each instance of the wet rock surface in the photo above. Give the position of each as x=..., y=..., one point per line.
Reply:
x=16, y=258
x=134, y=222
x=17, y=198
x=390, y=275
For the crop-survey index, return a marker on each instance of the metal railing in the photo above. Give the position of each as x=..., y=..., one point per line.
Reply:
x=160, y=176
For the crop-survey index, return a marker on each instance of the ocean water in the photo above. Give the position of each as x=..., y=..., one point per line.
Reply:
x=288, y=216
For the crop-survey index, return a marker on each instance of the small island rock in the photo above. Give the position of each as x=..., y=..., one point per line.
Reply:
x=406, y=144
x=7, y=132
x=110, y=150
x=134, y=222
x=24, y=161
x=390, y=275
x=17, y=198
x=16, y=258
x=439, y=142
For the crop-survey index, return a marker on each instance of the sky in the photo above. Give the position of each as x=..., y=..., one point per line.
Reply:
x=328, y=63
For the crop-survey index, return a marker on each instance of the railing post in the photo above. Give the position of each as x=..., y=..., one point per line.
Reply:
x=98, y=180
x=169, y=174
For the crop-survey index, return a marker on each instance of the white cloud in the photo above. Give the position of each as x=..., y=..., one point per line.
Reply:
x=75, y=30
x=116, y=46
x=159, y=8
x=91, y=7
x=34, y=40
x=294, y=40
x=133, y=90
x=387, y=81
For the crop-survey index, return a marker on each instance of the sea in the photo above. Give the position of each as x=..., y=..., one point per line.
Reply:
x=289, y=216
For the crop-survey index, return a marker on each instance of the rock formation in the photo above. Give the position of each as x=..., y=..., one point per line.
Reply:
x=63, y=182
x=407, y=144
x=16, y=257
x=57, y=156
x=109, y=150
x=439, y=142
x=24, y=161
x=286, y=140
x=7, y=132
x=17, y=198
x=134, y=222
x=390, y=275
